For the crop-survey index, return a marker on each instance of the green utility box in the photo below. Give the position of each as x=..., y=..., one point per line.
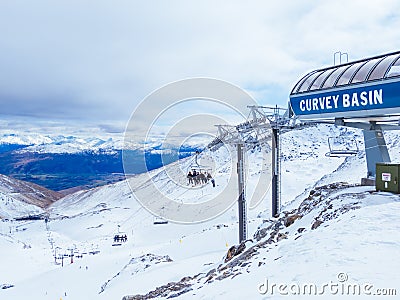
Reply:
x=387, y=177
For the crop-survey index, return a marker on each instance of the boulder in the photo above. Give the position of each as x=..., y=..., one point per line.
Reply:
x=316, y=224
x=289, y=220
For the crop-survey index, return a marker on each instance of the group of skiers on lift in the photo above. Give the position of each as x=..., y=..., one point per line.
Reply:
x=196, y=178
x=120, y=238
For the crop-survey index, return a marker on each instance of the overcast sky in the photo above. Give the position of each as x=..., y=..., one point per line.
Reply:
x=96, y=60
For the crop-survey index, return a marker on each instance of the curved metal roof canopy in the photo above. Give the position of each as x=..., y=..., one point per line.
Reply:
x=367, y=89
x=366, y=70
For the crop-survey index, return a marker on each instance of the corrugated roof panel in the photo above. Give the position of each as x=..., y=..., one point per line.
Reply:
x=349, y=73
x=381, y=69
x=331, y=80
x=310, y=79
x=321, y=79
x=364, y=71
x=394, y=70
x=369, y=69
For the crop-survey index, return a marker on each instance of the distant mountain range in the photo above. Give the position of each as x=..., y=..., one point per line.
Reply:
x=62, y=163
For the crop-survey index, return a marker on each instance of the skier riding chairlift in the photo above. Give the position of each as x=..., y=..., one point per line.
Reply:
x=197, y=173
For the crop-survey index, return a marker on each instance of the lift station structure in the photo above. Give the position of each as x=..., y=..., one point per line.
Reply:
x=363, y=94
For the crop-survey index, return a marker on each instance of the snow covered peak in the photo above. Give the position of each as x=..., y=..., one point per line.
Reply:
x=24, y=139
x=72, y=145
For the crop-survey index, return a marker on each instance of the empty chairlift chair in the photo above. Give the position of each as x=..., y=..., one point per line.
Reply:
x=159, y=221
x=342, y=147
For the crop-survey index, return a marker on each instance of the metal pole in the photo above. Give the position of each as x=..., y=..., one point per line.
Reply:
x=275, y=172
x=375, y=149
x=334, y=57
x=55, y=254
x=241, y=199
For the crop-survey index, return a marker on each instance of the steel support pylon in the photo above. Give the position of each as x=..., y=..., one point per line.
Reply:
x=375, y=149
x=242, y=198
x=275, y=173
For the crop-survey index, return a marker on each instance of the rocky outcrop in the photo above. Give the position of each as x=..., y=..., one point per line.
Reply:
x=239, y=258
x=170, y=290
x=316, y=224
x=289, y=220
x=28, y=192
x=137, y=265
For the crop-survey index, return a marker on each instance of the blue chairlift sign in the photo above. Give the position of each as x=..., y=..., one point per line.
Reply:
x=349, y=101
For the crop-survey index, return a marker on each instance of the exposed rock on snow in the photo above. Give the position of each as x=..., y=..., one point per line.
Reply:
x=322, y=205
x=137, y=265
x=234, y=251
x=289, y=220
x=169, y=290
x=24, y=200
x=28, y=192
x=5, y=286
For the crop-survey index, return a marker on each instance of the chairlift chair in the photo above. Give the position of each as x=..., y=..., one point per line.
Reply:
x=159, y=221
x=351, y=147
x=119, y=238
x=195, y=166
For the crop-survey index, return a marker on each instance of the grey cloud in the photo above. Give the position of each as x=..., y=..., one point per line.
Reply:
x=97, y=60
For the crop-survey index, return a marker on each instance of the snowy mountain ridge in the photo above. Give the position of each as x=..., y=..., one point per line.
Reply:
x=21, y=199
x=71, y=144
x=347, y=229
x=63, y=162
x=43, y=143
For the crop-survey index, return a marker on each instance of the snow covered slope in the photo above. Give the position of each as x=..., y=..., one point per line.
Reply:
x=21, y=199
x=324, y=229
x=340, y=241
